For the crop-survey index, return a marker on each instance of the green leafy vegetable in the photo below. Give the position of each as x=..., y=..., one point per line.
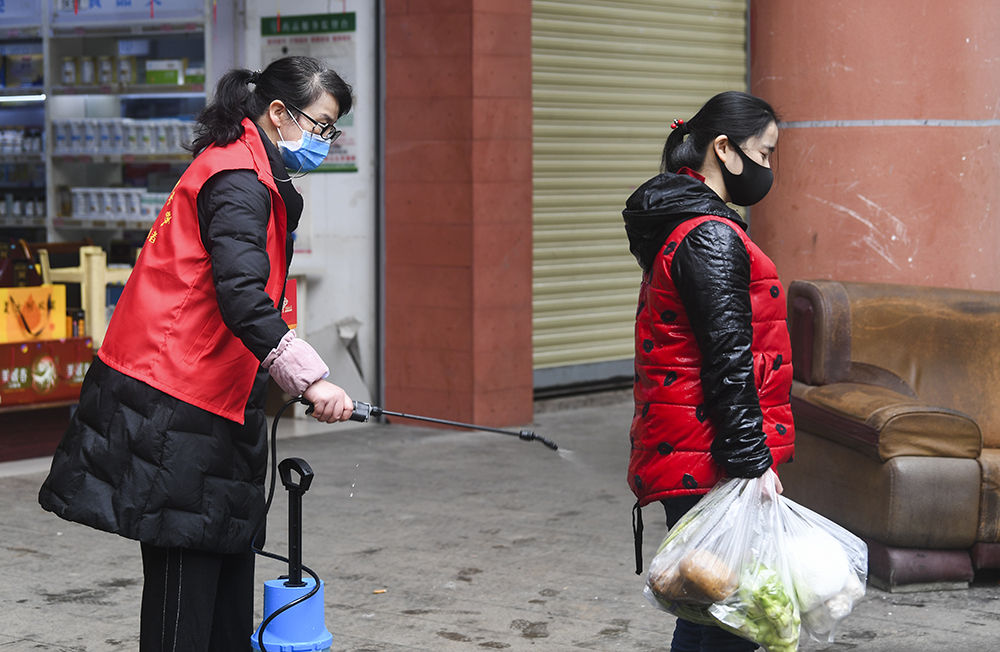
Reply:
x=763, y=611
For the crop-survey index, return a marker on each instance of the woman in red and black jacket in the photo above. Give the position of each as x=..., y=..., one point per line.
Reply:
x=712, y=354
x=168, y=445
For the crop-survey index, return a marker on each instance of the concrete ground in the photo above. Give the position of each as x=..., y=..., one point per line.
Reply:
x=438, y=540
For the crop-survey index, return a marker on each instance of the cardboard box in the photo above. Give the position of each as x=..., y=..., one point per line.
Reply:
x=24, y=70
x=194, y=75
x=165, y=71
x=43, y=372
x=33, y=313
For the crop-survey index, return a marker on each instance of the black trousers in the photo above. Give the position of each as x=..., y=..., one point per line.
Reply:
x=195, y=601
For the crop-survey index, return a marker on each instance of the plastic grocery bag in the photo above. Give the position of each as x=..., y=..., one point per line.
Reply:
x=829, y=568
x=759, y=565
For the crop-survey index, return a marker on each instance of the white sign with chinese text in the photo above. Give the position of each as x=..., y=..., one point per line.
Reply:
x=330, y=38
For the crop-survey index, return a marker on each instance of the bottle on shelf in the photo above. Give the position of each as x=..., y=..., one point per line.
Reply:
x=121, y=136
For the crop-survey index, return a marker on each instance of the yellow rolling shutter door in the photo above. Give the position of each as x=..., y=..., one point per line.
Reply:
x=608, y=77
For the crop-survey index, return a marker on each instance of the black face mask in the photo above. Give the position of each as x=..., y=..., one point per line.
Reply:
x=750, y=186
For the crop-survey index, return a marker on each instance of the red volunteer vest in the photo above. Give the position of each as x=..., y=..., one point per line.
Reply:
x=167, y=330
x=671, y=434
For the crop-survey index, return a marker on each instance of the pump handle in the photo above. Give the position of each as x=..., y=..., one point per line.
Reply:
x=301, y=467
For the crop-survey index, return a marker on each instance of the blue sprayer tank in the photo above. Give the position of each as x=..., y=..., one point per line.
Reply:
x=301, y=627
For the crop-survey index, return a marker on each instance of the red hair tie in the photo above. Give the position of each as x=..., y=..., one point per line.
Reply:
x=676, y=123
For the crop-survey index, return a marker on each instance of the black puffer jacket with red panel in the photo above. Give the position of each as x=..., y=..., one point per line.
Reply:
x=712, y=359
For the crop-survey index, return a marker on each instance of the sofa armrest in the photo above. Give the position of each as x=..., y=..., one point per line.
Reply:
x=819, y=323
x=883, y=423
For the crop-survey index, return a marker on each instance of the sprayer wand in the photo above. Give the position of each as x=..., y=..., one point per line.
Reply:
x=364, y=411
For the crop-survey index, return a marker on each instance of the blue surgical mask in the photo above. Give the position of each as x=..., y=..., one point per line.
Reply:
x=305, y=154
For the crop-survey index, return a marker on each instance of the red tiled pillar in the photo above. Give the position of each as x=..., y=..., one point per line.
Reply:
x=888, y=172
x=458, y=209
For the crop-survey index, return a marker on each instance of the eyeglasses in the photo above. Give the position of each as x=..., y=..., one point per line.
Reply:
x=327, y=132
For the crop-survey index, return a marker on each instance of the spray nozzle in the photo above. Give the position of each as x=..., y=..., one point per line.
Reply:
x=529, y=435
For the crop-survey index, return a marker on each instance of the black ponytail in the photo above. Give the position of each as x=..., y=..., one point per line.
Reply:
x=294, y=80
x=735, y=114
x=219, y=122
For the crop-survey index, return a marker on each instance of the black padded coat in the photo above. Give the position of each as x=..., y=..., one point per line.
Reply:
x=140, y=463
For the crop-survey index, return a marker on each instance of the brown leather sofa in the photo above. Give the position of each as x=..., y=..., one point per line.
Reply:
x=897, y=412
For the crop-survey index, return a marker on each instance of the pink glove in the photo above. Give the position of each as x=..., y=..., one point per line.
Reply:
x=295, y=365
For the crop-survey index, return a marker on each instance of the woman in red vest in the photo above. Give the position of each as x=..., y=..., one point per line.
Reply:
x=169, y=445
x=712, y=354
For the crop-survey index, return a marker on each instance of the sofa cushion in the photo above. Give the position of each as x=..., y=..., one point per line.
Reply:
x=909, y=502
x=883, y=423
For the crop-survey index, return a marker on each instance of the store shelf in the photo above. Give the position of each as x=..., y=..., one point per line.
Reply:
x=149, y=27
x=22, y=107
x=13, y=32
x=22, y=222
x=22, y=157
x=165, y=157
x=109, y=136
x=74, y=44
x=134, y=90
x=98, y=225
x=35, y=93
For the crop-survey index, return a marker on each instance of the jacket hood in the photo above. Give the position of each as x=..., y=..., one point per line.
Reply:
x=659, y=205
